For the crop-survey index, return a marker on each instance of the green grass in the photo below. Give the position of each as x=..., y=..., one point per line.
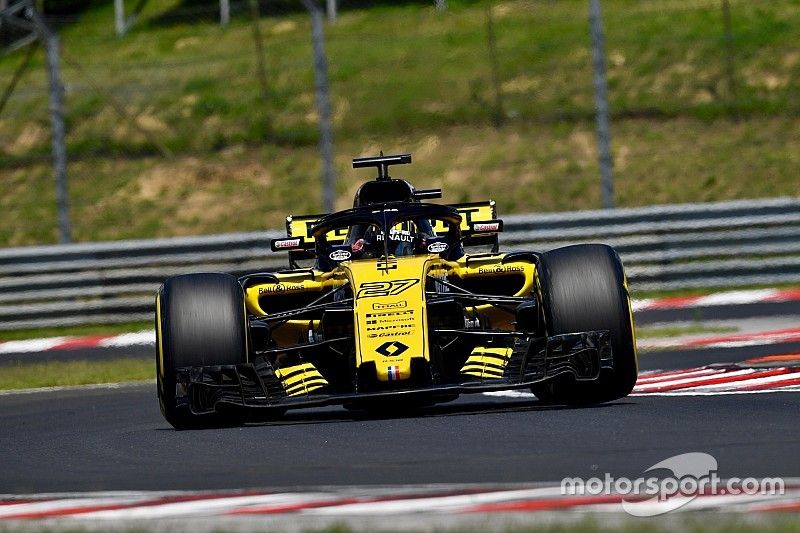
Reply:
x=74, y=331
x=403, y=78
x=65, y=373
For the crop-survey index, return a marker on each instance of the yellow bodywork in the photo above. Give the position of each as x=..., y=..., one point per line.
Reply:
x=630, y=317
x=478, y=212
x=304, y=281
x=159, y=338
x=300, y=379
x=390, y=314
x=487, y=362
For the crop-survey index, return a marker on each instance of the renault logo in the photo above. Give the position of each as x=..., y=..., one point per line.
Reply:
x=391, y=349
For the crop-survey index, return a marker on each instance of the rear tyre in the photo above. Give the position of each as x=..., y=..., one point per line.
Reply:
x=200, y=321
x=583, y=288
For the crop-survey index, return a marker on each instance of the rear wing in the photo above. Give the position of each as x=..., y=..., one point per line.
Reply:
x=479, y=226
x=298, y=239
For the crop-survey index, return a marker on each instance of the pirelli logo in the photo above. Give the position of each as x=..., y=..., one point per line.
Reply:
x=391, y=313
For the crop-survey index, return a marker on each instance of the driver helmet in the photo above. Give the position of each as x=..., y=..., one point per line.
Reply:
x=404, y=239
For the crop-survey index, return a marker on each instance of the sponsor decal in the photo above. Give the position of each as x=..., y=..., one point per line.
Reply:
x=395, y=313
x=340, y=255
x=471, y=323
x=397, y=235
x=378, y=306
x=286, y=243
x=486, y=226
x=392, y=320
x=437, y=247
x=393, y=372
x=378, y=289
x=500, y=268
x=280, y=287
x=396, y=326
x=391, y=349
x=388, y=334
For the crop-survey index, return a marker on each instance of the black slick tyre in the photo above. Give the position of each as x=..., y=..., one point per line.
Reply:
x=583, y=288
x=200, y=321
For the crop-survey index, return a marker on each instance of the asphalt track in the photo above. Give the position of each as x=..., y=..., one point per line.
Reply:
x=116, y=439
x=717, y=312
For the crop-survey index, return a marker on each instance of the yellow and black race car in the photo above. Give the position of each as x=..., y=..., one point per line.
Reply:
x=394, y=312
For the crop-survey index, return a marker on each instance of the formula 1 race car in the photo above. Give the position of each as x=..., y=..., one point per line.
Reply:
x=394, y=313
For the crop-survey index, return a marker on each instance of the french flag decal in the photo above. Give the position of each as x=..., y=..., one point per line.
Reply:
x=394, y=373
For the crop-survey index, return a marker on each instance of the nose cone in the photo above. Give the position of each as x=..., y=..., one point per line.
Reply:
x=390, y=315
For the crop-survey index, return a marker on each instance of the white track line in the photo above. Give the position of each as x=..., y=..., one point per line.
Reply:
x=124, y=340
x=750, y=382
x=698, y=392
x=736, y=297
x=121, y=385
x=141, y=338
x=211, y=506
x=510, y=394
x=434, y=503
x=685, y=381
x=666, y=376
x=31, y=345
x=61, y=504
x=402, y=500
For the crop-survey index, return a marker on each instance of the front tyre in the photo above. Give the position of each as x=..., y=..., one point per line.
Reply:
x=583, y=288
x=200, y=321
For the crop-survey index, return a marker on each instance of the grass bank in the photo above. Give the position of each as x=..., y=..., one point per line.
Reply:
x=403, y=78
x=67, y=373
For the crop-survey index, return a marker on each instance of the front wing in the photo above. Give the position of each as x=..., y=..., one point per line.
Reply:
x=253, y=387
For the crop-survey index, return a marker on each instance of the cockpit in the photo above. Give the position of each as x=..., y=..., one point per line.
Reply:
x=409, y=237
x=392, y=229
x=389, y=218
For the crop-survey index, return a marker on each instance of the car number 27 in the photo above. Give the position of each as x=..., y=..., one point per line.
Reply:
x=375, y=289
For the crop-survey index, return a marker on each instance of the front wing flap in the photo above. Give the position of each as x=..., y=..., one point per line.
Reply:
x=255, y=386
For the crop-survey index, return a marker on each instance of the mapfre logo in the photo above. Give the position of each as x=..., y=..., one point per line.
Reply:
x=376, y=289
